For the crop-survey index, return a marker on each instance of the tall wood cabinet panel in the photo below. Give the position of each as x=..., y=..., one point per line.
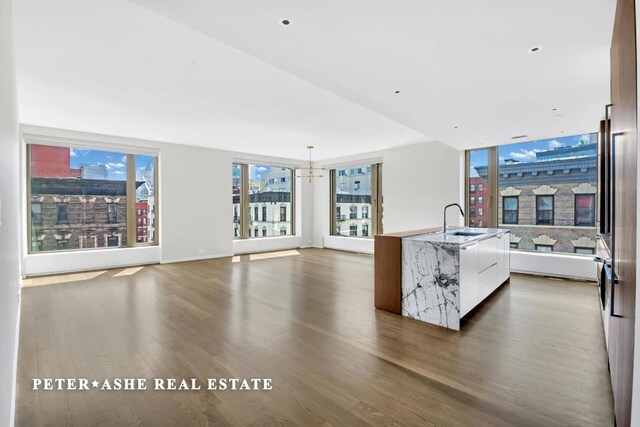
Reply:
x=624, y=127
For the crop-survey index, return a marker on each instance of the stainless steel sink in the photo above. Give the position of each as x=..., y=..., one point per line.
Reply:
x=466, y=233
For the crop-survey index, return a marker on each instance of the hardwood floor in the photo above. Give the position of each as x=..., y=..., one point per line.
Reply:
x=532, y=354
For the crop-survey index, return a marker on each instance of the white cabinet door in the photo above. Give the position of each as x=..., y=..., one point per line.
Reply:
x=468, y=278
x=503, y=258
x=487, y=282
x=487, y=253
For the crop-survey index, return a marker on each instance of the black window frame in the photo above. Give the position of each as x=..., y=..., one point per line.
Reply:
x=553, y=210
x=575, y=210
x=66, y=220
x=504, y=210
x=111, y=220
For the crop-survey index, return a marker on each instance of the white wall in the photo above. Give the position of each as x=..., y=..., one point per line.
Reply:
x=417, y=182
x=9, y=219
x=195, y=214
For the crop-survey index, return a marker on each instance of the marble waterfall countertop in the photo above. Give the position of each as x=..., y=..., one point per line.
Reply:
x=453, y=236
x=431, y=274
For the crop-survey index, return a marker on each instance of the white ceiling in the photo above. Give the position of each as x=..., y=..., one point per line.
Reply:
x=226, y=74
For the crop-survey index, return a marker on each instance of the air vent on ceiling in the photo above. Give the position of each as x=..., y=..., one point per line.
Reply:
x=518, y=136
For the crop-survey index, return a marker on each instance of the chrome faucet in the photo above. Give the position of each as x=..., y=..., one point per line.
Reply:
x=444, y=227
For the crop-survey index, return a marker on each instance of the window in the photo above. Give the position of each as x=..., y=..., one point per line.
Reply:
x=477, y=176
x=356, y=190
x=236, y=201
x=585, y=251
x=113, y=241
x=585, y=211
x=544, y=210
x=544, y=248
x=480, y=212
x=510, y=210
x=268, y=192
x=36, y=213
x=513, y=245
x=80, y=196
x=112, y=213
x=63, y=213
x=353, y=212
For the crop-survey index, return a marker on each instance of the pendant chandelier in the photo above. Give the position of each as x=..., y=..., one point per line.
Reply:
x=311, y=171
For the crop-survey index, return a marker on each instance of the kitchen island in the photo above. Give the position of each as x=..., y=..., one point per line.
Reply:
x=439, y=277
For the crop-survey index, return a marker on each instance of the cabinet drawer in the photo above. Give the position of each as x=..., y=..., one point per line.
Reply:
x=487, y=282
x=487, y=253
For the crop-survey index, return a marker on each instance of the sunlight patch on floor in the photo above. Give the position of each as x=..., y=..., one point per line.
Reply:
x=268, y=255
x=235, y=258
x=61, y=278
x=128, y=271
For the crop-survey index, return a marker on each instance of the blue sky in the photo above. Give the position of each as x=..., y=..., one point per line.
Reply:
x=116, y=162
x=525, y=151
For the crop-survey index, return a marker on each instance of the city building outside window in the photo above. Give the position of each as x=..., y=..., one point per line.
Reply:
x=480, y=188
x=544, y=210
x=480, y=200
x=356, y=190
x=513, y=245
x=544, y=248
x=480, y=212
x=510, y=210
x=555, y=183
x=585, y=211
x=473, y=200
x=267, y=191
x=472, y=188
x=78, y=197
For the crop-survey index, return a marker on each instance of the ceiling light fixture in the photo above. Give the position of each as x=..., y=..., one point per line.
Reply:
x=397, y=91
x=311, y=175
x=519, y=136
x=455, y=127
x=554, y=109
x=535, y=49
x=285, y=22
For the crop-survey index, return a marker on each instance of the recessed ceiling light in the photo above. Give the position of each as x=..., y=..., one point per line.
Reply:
x=397, y=91
x=554, y=109
x=455, y=127
x=519, y=136
x=535, y=49
x=285, y=22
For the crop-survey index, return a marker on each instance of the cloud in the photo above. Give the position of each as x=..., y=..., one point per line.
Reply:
x=261, y=168
x=112, y=165
x=117, y=173
x=524, y=154
x=124, y=158
x=72, y=152
x=555, y=144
